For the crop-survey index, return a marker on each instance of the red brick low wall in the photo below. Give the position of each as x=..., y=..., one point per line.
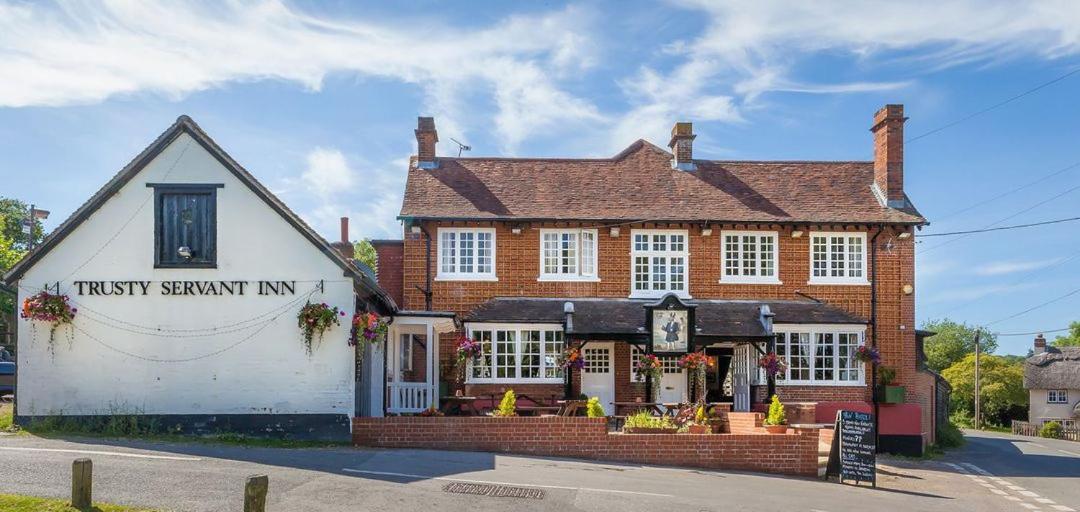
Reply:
x=794, y=453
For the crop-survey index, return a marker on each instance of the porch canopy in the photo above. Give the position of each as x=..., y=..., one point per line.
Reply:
x=617, y=318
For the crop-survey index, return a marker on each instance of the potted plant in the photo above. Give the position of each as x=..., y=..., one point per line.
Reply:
x=650, y=367
x=776, y=421
x=366, y=328
x=645, y=423
x=887, y=392
x=700, y=424
x=593, y=409
x=716, y=419
x=508, y=406
x=466, y=349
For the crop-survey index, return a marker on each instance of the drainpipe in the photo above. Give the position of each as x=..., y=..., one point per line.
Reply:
x=427, y=268
x=874, y=329
x=568, y=329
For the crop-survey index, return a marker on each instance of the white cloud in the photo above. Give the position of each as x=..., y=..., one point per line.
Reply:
x=327, y=173
x=998, y=268
x=87, y=53
x=751, y=48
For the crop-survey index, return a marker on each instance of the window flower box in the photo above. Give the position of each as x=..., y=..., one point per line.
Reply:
x=891, y=394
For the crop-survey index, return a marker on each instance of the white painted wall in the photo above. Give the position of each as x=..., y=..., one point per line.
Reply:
x=1040, y=411
x=268, y=373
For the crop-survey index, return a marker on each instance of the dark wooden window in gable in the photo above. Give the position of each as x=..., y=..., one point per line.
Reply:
x=185, y=225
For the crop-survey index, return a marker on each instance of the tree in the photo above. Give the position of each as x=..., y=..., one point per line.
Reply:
x=1003, y=396
x=9, y=255
x=13, y=214
x=365, y=253
x=1069, y=340
x=952, y=342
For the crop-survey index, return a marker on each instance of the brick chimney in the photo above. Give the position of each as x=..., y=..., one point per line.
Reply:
x=888, y=132
x=426, y=137
x=1040, y=344
x=343, y=246
x=682, y=146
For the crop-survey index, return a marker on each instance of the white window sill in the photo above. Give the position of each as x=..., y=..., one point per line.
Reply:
x=466, y=277
x=567, y=279
x=659, y=294
x=515, y=381
x=749, y=280
x=840, y=282
x=822, y=383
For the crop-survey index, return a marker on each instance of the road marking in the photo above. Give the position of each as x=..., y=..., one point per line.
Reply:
x=1067, y=452
x=1062, y=508
x=1045, y=501
x=96, y=452
x=997, y=491
x=1029, y=494
x=1029, y=506
x=490, y=482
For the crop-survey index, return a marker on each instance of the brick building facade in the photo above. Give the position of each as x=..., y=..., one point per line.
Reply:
x=820, y=254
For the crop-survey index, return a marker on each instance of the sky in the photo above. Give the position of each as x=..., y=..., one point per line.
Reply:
x=319, y=101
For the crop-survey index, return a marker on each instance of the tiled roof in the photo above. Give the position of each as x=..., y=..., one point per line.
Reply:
x=639, y=184
x=598, y=316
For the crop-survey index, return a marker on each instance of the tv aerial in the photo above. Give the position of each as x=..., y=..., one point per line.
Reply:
x=461, y=147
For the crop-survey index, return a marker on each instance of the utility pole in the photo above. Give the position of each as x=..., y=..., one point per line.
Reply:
x=978, y=411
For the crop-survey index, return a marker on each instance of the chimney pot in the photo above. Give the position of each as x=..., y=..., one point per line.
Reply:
x=1040, y=344
x=682, y=146
x=426, y=138
x=888, y=132
x=345, y=229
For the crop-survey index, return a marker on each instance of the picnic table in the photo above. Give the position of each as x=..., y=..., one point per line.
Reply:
x=464, y=405
x=570, y=407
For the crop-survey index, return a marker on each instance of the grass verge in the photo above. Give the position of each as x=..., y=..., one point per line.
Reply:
x=17, y=503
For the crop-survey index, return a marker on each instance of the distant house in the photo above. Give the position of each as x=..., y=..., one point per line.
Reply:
x=1052, y=377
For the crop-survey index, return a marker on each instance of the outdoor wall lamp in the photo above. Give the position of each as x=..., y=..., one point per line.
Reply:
x=706, y=231
x=615, y=232
x=907, y=289
x=905, y=235
x=796, y=234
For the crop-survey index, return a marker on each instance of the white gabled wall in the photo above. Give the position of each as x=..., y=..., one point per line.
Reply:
x=268, y=373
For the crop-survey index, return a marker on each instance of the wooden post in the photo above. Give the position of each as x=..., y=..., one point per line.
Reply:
x=255, y=493
x=81, y=483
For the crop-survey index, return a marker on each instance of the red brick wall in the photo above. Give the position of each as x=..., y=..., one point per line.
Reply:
x=794, y=453
x=389, y=267
x=517, y=267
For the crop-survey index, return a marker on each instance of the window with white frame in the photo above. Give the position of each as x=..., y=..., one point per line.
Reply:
x=466, y=253
x=567, y=254
x=659, y=262
x=821, y=355
x=516, y=353
x=749, y=257
x=1057, y=396
x=838, y=258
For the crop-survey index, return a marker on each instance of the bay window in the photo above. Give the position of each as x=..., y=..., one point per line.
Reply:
x=567, y=254
x=820, y=355
x=466, y=254
x=516, y=353
x=659, y=262
x=838, y=258
x=749, y=257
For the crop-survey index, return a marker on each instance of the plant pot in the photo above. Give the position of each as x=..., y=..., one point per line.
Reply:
x=700, y=429
x=891, y=394
x=776, y=429
x=649, y=430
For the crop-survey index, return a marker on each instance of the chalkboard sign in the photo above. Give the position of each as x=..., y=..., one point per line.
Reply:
x=853, y=455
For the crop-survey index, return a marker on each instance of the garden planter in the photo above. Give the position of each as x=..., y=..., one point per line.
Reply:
x=891, y=394
x=700, y=429
x=776, y=429
x=649, y=430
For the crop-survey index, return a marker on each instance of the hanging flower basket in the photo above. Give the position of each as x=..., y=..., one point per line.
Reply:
x=466, y=349
x=865, y=354
x=697, y=363
x=315, y=319
x=54, y=309
x=648, y=366
x=366, y=328
x=772, y=364
x=572, y=359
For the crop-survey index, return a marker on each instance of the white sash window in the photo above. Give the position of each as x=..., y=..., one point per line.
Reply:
x=659, y=263
x=838, y=258
x=567, y=254
x=466, y=254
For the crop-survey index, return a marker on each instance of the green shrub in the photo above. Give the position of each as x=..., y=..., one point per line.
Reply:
x=776, y=413
x=962, y=418
x=886, y=375
x=6, y=419
x=593, y=409
x=1051, y=429
x=508, y=406
x=644, y=419
x=949, y=436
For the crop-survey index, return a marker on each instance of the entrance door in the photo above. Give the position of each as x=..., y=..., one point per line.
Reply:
x=598, y=376
x=740, y=377
x=673, y=388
